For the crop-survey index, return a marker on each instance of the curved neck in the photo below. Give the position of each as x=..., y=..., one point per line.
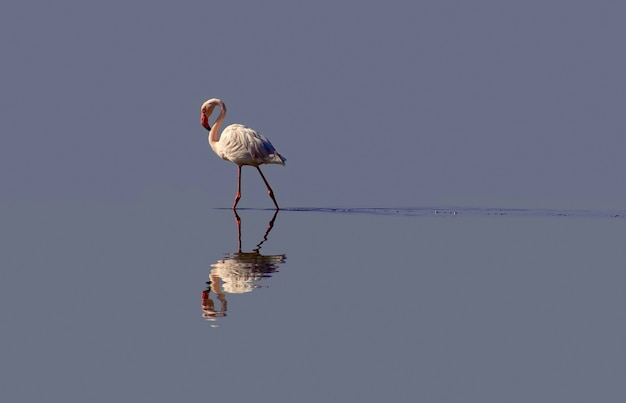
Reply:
x=215, y=129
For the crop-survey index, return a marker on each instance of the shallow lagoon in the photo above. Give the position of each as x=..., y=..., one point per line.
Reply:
x=110, y=302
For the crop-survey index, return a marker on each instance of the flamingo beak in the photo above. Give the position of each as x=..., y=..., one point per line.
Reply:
x=204, y=121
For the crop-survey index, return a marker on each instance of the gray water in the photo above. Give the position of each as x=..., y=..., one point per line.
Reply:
x=164, y=300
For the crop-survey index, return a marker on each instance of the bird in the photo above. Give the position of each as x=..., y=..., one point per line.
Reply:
x=239, y=144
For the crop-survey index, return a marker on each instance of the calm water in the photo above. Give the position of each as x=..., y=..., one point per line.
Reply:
x=163, y=300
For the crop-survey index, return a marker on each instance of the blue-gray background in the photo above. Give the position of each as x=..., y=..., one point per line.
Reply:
x=111, y=201
x=373, y=103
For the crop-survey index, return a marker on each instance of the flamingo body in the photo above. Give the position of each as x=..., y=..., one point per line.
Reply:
x=240, y=145
x=244, y=146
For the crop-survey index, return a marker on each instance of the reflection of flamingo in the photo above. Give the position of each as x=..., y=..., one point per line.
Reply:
x=238, y=272
x=239, y=144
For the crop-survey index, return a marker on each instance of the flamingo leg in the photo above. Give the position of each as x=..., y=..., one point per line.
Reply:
x=238, y=195
x=269, y=189
x=238, y=220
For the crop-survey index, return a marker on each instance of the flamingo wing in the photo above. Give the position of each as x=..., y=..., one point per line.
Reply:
x=244, y=146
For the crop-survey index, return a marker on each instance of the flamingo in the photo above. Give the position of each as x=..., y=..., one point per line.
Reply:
x=239, y=144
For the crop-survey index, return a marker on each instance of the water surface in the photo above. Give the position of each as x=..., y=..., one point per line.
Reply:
x=166, y=300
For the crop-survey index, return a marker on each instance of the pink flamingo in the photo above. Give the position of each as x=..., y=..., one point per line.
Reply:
x=239, y=144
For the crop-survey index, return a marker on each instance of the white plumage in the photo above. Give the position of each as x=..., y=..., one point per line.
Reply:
x=244, y=146
x=240, y=145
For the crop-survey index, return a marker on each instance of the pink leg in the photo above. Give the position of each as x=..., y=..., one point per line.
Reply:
x=269, y=189
x=238, y=195
x=238, y=220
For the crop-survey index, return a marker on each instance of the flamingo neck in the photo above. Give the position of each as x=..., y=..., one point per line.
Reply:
x=215, y=129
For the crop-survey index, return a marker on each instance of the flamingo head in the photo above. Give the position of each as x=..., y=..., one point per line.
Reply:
x=207, y=110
